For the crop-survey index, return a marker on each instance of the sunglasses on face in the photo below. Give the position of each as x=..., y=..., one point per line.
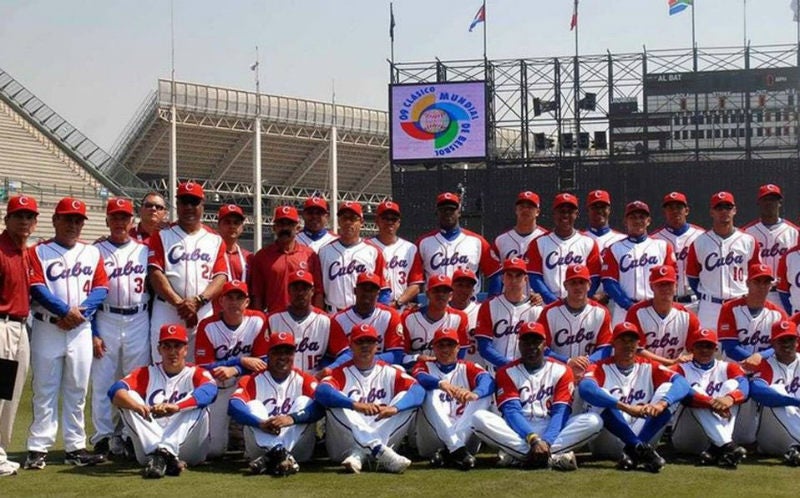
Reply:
x=391, y=219
x=157, y=207
x=191, y=201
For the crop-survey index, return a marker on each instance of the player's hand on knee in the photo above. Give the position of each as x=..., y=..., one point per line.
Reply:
x=366, y=408
x=722, y=405
x=143, y=411
x=386, y=411
x=98, y=347
x=273, y=425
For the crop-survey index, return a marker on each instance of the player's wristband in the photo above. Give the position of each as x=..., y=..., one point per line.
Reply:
x=201, y=300
x=532, y=438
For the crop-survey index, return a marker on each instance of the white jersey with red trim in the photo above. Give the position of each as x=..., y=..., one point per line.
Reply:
x=774, y=241
x=189, y=261
x=788, y=276
x=721, y=263
x=277, y=397
x=709, y=381
x=511, y=243
x=69, y=273
x=605, y=240
x=472, y=321
x=464, y=375
x=399, y=259
x=155, y=386
x=215, y=341
x=379, y=386
x=629, y=263
x=637, y=387
x=680, y=247
x=386, y=320
x=126, y=268
x=537, y=392
x=576, y=333
x=663, y=335
x=311, y=335
x=775, y=373
x=317, y=244
x=550, y=255
x=341, y=265
x=751, y=332
x=499, y=320
x=419, y=329
x=439, y=256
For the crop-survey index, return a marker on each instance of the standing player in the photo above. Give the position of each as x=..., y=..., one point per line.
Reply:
x=515, y=242
x=463, y=299
x=164, y=407
x=718, y=260
x=121, y=327
x=230, y=225
x=68, y=283
x=775, y=236
x=20, y=221
x=315, y=232
x=627, y=262
x=399, y=256
x=152, y=217
x=551, y=254
x=186, y=267
x=680, y=234
x=788, y=277
x=598, y=205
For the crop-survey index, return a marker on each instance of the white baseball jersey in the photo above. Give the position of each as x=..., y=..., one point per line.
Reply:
x=311, y=336
x=511, y=244
x=379, y=386
x=788, y=276
x=635, y=388
x=70, y=274
x=707, y=383
x=386, y=320
x=399, y=259
x=752, y=332
x=419, y=329
x=775, y=373
x=277, y=397
x=721, y=263
x=574, y=334
x=537, y=392
x=629, y=264
x=439, y=256
x=499, y=320
x=315, y=245
x=189, y=261
x=550, y=255
x=606, y=239
x=663, y=335
x=215, y=341
x=154, y=385
x=773, y=241
x=341, y=265
x=472, y=321
x=464, y=375
x=126, y=267
x=680, y=243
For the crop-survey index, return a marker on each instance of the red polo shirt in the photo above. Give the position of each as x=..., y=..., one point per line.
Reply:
x=14, y=294
x=270, y=270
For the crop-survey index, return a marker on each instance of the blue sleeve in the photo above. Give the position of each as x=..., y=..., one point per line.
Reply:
x=744, y=385
x=462, y=352
x=601, y=353
x=694, y=282
x=331, y=398
x=538, y=286
x=512, y=414
x=615, y=292
x=733, y=350
x=679, y=389
x=488, y=352
x=592, y=393
x=427, y=381
x=559, y=414
x=93, y=301
x=495, y=286
x=230, y=362
x=413, y=398
x=343, y=357
x=205, y=394
x=385, y=296
x=484, y=385
x=239, y=411
x=595, y=285
x=393, y=357
x=556, y=356
x=311, y=413
x=761, y=392
x=116, y=386
x=95, y=330
x=786, y=301
x=42, y=295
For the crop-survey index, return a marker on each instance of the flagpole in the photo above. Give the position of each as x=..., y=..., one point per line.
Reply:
x=484, y=32
x=744, y=8
x=391, y=32
x=694, y=40
x=173, y=120
x=257, y=213
x=576, y=29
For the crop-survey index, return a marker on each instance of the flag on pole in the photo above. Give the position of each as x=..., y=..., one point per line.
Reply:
x=795, y=5
x=480, y=17
x=391, y=21
x=678, y=6
x=573, y=23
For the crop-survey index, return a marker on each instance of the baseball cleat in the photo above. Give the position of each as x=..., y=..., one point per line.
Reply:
x=731, y=455
x=259, y=465
x=174, y=466
x=103, y=447
x=353, y=463
x=462, y=459
x=506, y=460
x=392, y=461
x=438, y=458
x=82, y=458
x=792, y=457
x=707, y=458
x=626, y=462
x=36, y=460
x=563, y=461
x=650, y=460
x=155, y=468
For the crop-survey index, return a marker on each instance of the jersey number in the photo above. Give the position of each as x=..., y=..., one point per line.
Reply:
x=87, y=287
x=401, y=278
x=738, y=274
x=206, y=272
x=138, y=285
x=313, y=361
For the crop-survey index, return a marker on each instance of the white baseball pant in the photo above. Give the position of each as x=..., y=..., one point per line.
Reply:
x=61, y=362
x=162, y=314
x=348, y=430
x=779, y=427
x=14, y=345
x=219, y=421
x=493, y=430
x=708, y=314
x=694, y=428
x=298, y=439
x=184, y=434
x=438, y=427
x=746, y=426
x=127, y=342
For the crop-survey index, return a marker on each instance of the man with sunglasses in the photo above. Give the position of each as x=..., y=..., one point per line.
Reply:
x=152, y=217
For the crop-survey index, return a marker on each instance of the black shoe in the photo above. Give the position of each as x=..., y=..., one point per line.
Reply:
x=174, y=466
x=259, y=465
x=128, y=451
x=791, y=457
x=439, y=458
x=103, y=447
x=37, y=460
x=278, y=455
x=462, y=459
x=82, y=458
x=626, y=462
x=155, y=467
x=707, y=459
x=648, y=458
x=731, y=455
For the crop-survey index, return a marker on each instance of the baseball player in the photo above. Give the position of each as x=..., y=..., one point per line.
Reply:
x=224, y=345
x=455, y=390
x=463, y=299
x=499, y=318
x=274, y=264
x=399, y=256
x=515, y=242
x=121, y=326
x=420, y=325
x=68, y=284
x=315, y=233
x=534, y=396
x=370, y=407
x=776, y=387
x=278, y=411
x=635, y=397
x=705, y=424
x=598, y=205
x=788, y=277
x=449, y=247
x=344, y=258
x=230, y=225
x=627, y=262
x=310, y=326
x=665, y=324
x=775, y=236
x=187, y=268
x=680, y=234
x=718, y=259
x=152, y=217
x=20, y=219
x=164, y=407
x=551, y=254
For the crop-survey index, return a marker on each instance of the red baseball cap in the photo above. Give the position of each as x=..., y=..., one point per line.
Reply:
x=464, y=273
x=363, y=331
x=674, y=197
x=119, y=205
x=22, y=203
x=234, y=286
x=769, y=189
x=531, y=328
x=596, y=196
x=352, y=206
x=663, y=273
x=68, y=205
x=368, y=277
x=445, y=334
x=281, y=339
x=173, y=332
x=301, y=276
x=565, y=198
x=515, y=264
x=229, y=209
x=439, y=281
x=783, y=328
x=286, y=213
x=448, y=198
x=701, y=335
x=191, y=189
x=626, y=328
x=316, y=202
x=722, y=198
x=528, y=196
x=635, y=206
x=757, y=270
x=575, y=271
x=388, y=206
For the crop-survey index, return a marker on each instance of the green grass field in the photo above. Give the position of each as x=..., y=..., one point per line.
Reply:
x=755, y=477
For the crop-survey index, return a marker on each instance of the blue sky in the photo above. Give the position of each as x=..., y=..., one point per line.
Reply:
x=94, y=61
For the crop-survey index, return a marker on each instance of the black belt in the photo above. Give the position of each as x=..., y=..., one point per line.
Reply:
x=43, y=318
x=715, y=300
x=683, y=299
x=125, y=311
x=12, y=318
